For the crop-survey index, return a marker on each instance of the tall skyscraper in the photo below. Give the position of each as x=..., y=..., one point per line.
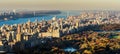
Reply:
x=18, y=36
x=61, y=24
x=77, y=23
x=18, y=28
x=36, y=21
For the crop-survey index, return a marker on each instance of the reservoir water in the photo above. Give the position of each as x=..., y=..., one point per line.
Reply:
x=70, y=49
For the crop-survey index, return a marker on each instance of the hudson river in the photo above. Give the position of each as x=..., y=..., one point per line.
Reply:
x=64, y=14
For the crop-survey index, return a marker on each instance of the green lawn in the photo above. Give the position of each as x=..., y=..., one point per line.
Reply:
x=117, y=37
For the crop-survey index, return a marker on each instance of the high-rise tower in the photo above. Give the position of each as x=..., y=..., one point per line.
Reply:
x=18, y=36
x=18, y=28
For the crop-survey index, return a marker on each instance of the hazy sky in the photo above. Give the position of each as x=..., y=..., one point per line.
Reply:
x=60, y=4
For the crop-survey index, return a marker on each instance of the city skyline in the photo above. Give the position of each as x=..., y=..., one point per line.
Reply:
x=60, y=4
x=59, y=27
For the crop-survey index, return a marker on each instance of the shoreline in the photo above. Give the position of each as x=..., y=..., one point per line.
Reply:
x=27, y=14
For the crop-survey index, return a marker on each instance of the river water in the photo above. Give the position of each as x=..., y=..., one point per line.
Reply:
x=63, y=14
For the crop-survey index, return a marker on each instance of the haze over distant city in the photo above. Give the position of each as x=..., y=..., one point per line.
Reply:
x=60, y=4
